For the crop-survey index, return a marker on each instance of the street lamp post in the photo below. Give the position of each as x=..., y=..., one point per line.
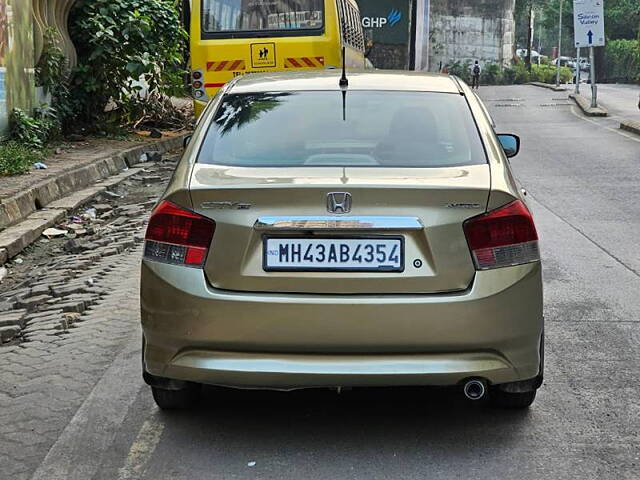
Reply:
x=578, y=73
x=559, y=46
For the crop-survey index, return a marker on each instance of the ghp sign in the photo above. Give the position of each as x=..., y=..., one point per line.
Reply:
x=392, y=18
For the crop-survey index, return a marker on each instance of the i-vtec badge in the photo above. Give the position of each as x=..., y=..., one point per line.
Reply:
x=226, y=205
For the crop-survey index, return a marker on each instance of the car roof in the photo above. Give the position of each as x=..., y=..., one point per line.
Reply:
x=359, y=80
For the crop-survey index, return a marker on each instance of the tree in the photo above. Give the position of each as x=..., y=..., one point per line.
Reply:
x=120, y=42
x=622, y=19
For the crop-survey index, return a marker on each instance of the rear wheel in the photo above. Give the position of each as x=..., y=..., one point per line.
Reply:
x=176, y=399
x=519, y=400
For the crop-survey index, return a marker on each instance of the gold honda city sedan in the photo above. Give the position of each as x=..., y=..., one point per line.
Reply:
x=328, y=233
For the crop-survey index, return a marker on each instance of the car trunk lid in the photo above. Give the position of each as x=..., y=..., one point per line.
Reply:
x=425, y=207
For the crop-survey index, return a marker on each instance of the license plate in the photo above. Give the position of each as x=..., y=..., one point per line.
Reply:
x=375, y=254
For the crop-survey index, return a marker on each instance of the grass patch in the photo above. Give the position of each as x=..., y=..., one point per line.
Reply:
x=17, y=159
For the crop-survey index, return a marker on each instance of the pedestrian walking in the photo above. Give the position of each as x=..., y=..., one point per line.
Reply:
x=475, y=75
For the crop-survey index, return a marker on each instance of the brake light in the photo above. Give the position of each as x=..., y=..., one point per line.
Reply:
x=503, y=237
x=178, y=236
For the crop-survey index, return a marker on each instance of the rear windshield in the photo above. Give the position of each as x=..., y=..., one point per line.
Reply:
x=325, y=128
x=227, y=16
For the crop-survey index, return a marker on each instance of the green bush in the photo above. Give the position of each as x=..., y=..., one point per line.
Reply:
x=495, y=74
x=120, y=41
x=516, y=74
x=52, y=68
x=491, y=74
x=622, y=61
x=52, y=73
x=34, y=131
x=461, y=70
x=17, y=159
x=547, y=74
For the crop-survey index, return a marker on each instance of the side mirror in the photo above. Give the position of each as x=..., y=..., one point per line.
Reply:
x=185, y=142
x=510, y=144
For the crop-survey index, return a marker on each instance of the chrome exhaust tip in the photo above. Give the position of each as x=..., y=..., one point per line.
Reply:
x=475, y=389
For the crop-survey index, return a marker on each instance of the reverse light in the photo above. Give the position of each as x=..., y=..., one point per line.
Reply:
x=503, y=237
x=178, y=236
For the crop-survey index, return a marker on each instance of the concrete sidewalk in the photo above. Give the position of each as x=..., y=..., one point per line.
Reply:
x=585, y=105
x=621, y=100
x=31, y=203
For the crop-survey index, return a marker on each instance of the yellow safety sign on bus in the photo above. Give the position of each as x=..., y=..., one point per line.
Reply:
x=263, y=55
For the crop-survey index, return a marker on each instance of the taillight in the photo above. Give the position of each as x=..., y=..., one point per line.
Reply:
x=503, y=237
x=178, y=236
x=197, y=82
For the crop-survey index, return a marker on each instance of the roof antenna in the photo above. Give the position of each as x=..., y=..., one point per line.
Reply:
x=344, y=82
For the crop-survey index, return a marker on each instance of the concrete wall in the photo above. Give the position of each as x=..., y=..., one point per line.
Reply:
x=470, y=30
x=53, y=13
x=16, y=58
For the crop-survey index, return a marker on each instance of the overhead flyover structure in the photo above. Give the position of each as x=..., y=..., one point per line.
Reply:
x=53, y=13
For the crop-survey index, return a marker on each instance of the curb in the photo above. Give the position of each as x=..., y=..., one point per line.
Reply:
x=585, y=106
x=550, y=86
x=28, y=229
x=18, y=207
x=630, y=126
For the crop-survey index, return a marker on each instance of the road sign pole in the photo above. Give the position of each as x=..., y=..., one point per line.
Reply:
x=588, y=29
x=559, y=46
x=594, y=87
x=578, y=73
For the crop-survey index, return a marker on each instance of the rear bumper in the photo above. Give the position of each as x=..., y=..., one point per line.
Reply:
x=284, y=341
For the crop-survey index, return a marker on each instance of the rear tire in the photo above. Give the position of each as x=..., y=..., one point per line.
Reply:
x=176, y=399
x=514, y=401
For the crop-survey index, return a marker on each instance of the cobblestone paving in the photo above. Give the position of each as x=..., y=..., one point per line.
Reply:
x=66, y=323
x=45, y=380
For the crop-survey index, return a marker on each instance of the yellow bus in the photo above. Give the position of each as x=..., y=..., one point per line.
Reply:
x=236, y=37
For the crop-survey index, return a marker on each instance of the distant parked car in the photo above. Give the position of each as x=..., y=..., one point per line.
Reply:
x=535, y=56
x=584, y=65
x=564, y=62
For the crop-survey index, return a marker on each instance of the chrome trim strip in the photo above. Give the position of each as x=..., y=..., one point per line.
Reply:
x=341, y=223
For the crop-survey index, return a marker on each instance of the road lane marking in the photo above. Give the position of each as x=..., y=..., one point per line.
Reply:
x=584, y=235
x=630, y=136
x=142, y=449
x=79, y=451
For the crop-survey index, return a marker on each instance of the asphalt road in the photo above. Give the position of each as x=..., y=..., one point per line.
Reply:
x=582, y=177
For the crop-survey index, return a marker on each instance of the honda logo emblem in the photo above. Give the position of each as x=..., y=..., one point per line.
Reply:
x=339, y=202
